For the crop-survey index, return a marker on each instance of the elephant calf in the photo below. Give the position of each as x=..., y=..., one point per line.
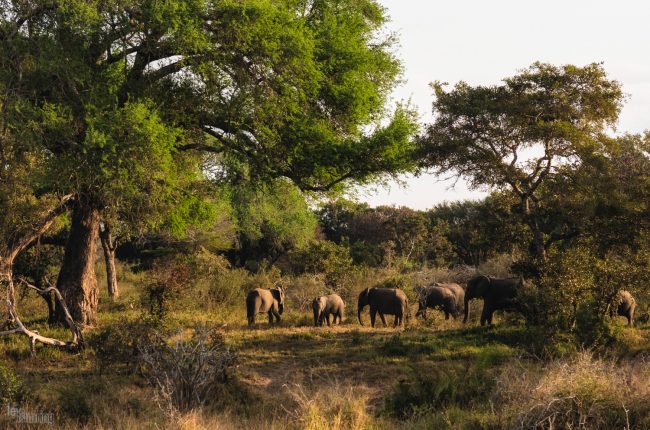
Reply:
x=457, y=291
x=435, y=296
x=261, y=301
x=324, y=306
x=391, y=301
x=625, y=307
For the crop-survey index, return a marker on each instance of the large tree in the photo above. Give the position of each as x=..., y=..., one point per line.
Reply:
x=127, y=98
x=517, y=135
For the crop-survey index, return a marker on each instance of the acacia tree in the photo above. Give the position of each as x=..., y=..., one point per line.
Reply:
x=517, y=135
x=131, y=96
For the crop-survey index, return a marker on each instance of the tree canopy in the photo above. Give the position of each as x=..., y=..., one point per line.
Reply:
x=133, y=107
x=517, y=135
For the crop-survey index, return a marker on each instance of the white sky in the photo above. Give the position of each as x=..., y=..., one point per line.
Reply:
x=481, y=42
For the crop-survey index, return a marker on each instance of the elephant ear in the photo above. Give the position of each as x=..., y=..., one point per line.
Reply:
x=277, y=294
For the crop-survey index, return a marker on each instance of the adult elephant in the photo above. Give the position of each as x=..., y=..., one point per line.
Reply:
x=497, y=294
x=385, y=301
x=625, y=306
x=435, y=296
x=260, y=300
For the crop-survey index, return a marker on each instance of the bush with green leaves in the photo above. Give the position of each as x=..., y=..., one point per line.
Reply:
x=325, y=257
x=12, y=390
x=576, y=287
x=116, y=344
x=566, y=281
x=438, y=388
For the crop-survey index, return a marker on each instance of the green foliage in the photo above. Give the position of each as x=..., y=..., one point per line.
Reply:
x=439, y=388
x=566, y=283
x=116, y=344
x=323, y=257
x=479, y=230
x=591, y=328
x=12, y=390
x=482, y=132
x=386, y=235
x=272, y=220
x=170, y=280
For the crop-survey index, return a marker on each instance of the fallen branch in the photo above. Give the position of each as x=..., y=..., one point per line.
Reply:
x=77, y=336
x=33, y=335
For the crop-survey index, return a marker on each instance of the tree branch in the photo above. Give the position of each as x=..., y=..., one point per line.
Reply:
x=41, y=227
x=77, y=336
x=24, y=18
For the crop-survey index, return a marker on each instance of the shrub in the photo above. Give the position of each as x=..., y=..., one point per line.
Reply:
x=213, y=276
x=438, y=388
x=592, y=329
x=186, y=372
x=325, y=257
x=12, y=390
x=117, y=344
x=302, y=290
x=170, y=278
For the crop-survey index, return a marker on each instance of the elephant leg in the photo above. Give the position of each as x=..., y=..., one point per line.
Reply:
x=446, y=315
x=328, y=320
x=270, y=317
x=486, y=314
x=396, y=321
x=277, y=315
x=373, y=316
x=251, y=320
x=383, y=320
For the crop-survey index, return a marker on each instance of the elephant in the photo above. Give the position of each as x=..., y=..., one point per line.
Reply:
x=435, y=296
x=496, y=293
x=260, y=300
x=457, y=291
x=391, y=301
x=324, y=306
x=626, y=305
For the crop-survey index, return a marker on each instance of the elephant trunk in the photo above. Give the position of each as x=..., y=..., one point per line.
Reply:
x=466, y=309
x=359, y=315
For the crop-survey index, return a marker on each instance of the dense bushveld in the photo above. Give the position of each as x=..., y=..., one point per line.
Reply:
x=435, y=374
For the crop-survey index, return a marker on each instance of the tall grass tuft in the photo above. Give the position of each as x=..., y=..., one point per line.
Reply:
x=578, y=393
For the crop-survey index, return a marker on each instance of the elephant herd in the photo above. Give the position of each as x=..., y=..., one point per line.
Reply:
x=452, y=299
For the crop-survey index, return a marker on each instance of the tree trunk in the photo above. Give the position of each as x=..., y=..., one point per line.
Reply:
x=109, y=245
x=77, y=281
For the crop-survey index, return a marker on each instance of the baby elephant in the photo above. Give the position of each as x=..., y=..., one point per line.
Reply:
x=435, y=296
x=261, y=301
x=324, y=306
x=625, y=306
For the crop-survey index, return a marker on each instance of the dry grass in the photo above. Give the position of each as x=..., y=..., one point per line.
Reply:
x=583, y=392
x=329, y=405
